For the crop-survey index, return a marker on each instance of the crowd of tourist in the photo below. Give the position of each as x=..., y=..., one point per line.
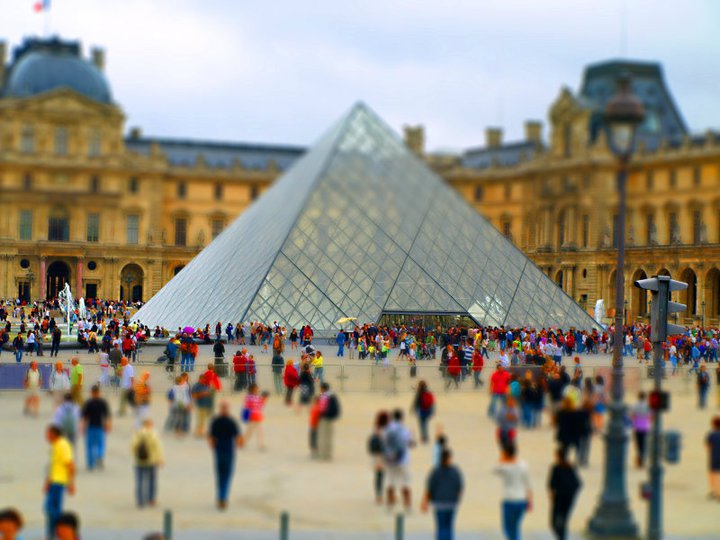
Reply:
x=523, y=370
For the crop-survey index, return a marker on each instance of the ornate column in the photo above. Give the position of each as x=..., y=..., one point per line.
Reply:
x=79, y=278
x=43, y=278
x=571, y=228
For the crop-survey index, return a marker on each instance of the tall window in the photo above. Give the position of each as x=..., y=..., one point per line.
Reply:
x=673, y=178
x=567, y=140
x=26, y=225
x=585, y=230
x=218, y=192
x=672, y=227
x=27, y=182
x=561, y=230
x=697, y=176
x=133, y=228
x=650, y=233
x=507, y=228
x=27, y=139
x=94, y=143
x=133, y=184
x=650, y=180
x=478, y=193
x=94, y=183
x=180, y=232
x=217, y=226
x=697, y=226
x=508, y=191
x=93, y=227
x=181, y=190
x=61, y=141
x=59, y=226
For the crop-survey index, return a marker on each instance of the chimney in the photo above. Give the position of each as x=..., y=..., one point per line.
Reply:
x=98, y=57
x=493, y=137
x=135, y=133
x=533, y=131
x=415, y=139
x=3, y=55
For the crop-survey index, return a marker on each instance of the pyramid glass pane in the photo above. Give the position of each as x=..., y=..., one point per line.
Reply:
x=357, y=227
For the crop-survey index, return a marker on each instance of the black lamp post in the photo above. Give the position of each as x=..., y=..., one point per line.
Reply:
x=30, y=278
x=612, y=518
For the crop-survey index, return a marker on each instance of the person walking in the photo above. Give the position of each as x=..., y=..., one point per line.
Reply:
x=703, y=384
x=55, y=341
x=517, y=492
x=443, y=490
x=712, y=443
x=424, y=408
x=499, y=382
x=240, y=370
x=33, y=385
x=95, y=414
x=563, y=485
x=59, y=383
x=127, y=383
x=60, y=476
x=290, y=380
x=141, y=398
x=76, y=381
x=67, y=418
x=376, y=451
x=397, y=442
x=204, y=397
x=147, y=454
x=329, y=414
x=340, y=340
x=18, y=347
x=278, y=363
x=640, y=419
x=253, y=414
x=224, y=436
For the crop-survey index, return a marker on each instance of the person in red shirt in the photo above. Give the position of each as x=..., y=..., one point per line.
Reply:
x=240, y=370
x=453, y=370
x=498, y=388
x=291, y=379
x=477, y=366
x=211, y=378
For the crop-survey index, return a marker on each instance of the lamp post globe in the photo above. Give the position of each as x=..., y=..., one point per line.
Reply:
x=623, y=114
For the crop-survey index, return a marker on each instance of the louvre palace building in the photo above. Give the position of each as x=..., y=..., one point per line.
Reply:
x=117, y=214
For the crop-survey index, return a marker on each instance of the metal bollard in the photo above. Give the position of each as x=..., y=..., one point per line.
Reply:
x=284, y=526
x=167, y=525
x=399, y=527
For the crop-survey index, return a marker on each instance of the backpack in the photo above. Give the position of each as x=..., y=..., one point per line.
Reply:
x=394, y=447
x=427, y=400
x=333, y=408
x=142, y=452
x=375, y=445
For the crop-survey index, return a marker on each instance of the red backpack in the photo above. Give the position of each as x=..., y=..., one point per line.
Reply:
x=427, y=400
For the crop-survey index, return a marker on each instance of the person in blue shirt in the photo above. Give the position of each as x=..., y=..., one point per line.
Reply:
x=340, y=339
x=695, y=355
x=444, y=490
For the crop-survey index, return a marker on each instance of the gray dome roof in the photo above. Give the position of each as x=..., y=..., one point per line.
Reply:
x=43, y=65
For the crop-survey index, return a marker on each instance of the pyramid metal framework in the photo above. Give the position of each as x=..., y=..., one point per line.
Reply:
x=360, y=227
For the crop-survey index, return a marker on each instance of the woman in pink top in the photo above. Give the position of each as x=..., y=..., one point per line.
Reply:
x=640, y=418
x=253, y=414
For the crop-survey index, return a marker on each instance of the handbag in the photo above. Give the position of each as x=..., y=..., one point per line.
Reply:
x=245, y=415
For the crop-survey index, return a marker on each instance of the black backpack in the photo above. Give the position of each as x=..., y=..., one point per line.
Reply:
x=142, y=452
x=375, y=445
x=333, y=408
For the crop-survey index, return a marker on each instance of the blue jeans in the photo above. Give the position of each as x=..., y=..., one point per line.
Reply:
x=224, y=462
x=423, y=417
x=341, y=349
x=145, y=484
x=94, y=446
x=627, y=350
x=53, y=506
x=18, y=355
x=444, y=523
x=512, y=514
x=494, y=399
x=702, y=397
x=528, y=414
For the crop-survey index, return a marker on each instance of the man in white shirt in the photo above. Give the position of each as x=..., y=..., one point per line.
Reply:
x=127, y=383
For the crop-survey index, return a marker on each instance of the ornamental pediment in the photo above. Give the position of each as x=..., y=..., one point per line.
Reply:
x=64, y=102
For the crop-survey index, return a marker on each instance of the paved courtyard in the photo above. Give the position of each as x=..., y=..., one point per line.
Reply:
x=335, y=500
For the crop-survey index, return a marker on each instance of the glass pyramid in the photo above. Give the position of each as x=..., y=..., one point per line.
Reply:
x=360, y=227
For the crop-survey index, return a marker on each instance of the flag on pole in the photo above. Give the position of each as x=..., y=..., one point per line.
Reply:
x=41, y=5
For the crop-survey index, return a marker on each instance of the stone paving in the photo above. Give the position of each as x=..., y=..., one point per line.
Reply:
x=334, y=500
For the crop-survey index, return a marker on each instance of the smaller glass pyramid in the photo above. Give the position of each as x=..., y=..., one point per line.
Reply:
x=356, y=228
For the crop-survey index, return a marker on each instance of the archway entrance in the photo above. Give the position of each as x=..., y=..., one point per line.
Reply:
x=58, y=273
x=712, y=294
x=559, y=278
x=689, y=295
x=639, y=304
x=131, y=283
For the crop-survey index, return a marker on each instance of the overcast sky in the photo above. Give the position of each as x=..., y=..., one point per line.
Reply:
x=283, y=71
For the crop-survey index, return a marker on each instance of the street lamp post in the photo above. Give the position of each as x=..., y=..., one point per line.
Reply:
x=129, y=279
x=612, y=517
x=625, y=312
x=30, y=278
x=702, y=304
